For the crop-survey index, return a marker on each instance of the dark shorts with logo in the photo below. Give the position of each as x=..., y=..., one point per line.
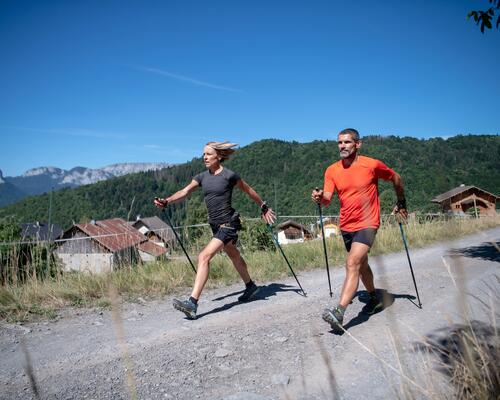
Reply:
x=227, y=232
x=365, y=236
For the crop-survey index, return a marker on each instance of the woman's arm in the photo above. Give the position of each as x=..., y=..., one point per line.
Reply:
x=177, y=196
x=267, y=212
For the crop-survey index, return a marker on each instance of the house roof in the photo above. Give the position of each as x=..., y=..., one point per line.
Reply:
x=40, y=231
x=460, y=189
x=292, y=223
x=156, y=225
x=114, y=234
x=152, y=248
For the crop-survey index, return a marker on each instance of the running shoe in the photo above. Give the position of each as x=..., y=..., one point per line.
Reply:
x=187, y=307
x=335, y=318
x=249, y=293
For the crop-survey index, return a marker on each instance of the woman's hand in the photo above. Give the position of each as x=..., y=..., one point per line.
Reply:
x=160, y=203
x=269, y=216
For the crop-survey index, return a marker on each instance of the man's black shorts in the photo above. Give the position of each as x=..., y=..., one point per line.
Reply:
x=365, y=236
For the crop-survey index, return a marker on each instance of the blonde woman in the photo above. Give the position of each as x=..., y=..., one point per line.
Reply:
x=217, y=183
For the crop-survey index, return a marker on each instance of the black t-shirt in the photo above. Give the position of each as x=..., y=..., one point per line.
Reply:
x=218, y=190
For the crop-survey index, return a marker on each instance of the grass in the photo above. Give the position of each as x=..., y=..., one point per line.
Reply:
x=42, y=298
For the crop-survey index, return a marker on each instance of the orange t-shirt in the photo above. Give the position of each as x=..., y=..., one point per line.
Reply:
x=357, y=188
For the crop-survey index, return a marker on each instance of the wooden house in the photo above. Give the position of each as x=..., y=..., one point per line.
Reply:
x=464, y=198
x=155, y=230
x=40, y=231
x=292, y=232
x=102, y=246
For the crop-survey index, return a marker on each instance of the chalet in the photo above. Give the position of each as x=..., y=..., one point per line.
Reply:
x=467, y=198
x=155, y=230
x=40, y=231
x=292, y=232
x=102, y=246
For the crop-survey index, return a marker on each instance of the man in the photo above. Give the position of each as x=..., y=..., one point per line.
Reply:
x=355, y=178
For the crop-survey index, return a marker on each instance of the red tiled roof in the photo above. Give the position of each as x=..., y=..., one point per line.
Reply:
x=114, y=234
x=152, y=248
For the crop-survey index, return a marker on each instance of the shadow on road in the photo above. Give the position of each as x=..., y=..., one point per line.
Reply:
x=486, y=251
x=363, y=315
x=264, y=293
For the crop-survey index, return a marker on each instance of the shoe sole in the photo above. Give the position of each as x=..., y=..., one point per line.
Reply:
x=335, y=324
x=189, y=313
x=251, y=296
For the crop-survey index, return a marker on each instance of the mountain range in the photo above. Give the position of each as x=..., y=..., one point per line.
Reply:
x=44, y=179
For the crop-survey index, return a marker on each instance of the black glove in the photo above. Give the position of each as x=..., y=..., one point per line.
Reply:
x=401, y=203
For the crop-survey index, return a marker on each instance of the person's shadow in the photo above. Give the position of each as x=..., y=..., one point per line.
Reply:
x=364, y=315
x=264, y=293
x=489, y=251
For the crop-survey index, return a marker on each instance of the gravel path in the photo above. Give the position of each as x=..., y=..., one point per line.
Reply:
x=276, y=347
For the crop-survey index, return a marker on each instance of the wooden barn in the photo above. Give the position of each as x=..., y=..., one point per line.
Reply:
x=293, y=232
x=155, y=229
x=464, y=198
x=101, y=246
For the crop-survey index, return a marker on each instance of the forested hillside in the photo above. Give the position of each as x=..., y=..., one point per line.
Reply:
x=284, y=173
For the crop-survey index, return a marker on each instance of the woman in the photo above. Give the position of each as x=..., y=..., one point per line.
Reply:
x=217, y=183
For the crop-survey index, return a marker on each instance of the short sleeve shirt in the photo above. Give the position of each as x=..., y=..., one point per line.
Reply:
x=218, y=191
x=357, y=188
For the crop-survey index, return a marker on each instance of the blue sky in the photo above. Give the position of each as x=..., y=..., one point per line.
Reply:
x=91, y=83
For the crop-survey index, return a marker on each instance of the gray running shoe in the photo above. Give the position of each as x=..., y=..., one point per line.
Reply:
x=374, y=305
x=186, y=306
x=335, y=318
x=249, y=293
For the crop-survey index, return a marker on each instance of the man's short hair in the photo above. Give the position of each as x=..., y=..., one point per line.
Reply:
x=350, y=131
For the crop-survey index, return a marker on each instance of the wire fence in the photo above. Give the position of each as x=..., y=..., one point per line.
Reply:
x=21, y=259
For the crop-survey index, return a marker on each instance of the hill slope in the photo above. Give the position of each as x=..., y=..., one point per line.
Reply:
x=284, y=174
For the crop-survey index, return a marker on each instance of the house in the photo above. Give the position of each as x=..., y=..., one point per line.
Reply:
x=292, y=232
x=330, y=226
x=155, y=230
x=331, y=229
x=40, y=231
x=102, y=246
x=467, y=198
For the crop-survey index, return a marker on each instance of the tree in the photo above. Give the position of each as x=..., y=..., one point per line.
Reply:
x=485, y=17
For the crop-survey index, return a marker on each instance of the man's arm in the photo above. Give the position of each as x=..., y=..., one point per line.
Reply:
x=400, y=207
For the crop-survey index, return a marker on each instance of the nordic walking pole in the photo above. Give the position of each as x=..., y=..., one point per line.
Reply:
x=177, y=237
x=286, y=259
x=409, y=261
x=324, y=246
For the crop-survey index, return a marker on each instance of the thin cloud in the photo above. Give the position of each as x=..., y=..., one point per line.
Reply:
x=74, y=132
x=188, y=79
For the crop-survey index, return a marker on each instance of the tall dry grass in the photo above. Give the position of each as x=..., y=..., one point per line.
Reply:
x=34, y=297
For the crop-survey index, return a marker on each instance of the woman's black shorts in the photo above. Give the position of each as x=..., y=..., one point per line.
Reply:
x=227, y=232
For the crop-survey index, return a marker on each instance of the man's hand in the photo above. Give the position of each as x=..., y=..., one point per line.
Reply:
x=160, y=203
x=317, y=195
x=400, y=209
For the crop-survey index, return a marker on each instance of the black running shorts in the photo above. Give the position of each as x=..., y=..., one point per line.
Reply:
x=225, y=234
x=365, y=236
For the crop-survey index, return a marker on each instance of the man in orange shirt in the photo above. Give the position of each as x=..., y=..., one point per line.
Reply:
x=355, y=178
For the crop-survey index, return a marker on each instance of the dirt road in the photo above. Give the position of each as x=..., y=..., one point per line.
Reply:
x=276, y=347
